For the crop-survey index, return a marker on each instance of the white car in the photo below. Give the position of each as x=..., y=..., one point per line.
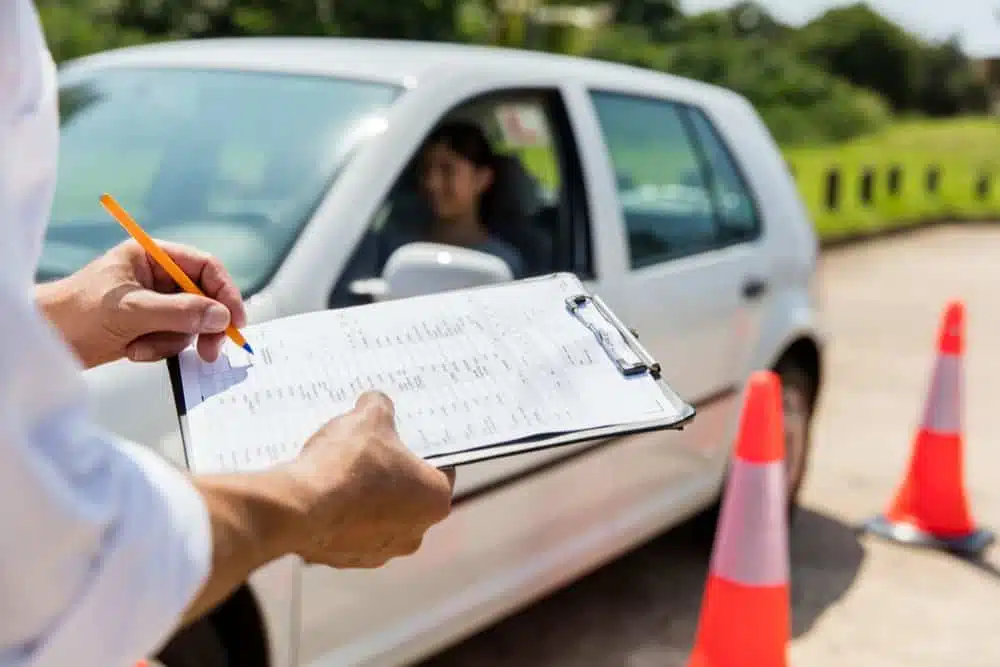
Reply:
x=289, y=158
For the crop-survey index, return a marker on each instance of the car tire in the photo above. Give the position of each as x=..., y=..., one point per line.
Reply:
x=798, y=393
x=198, y=645
x=798, y=390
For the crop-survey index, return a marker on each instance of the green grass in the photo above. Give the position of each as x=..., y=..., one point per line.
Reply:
x=976, y=138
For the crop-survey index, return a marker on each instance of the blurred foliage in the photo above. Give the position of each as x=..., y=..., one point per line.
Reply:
x=861, y=46
x=799, y=102
x=870, y=51
x=840, y=76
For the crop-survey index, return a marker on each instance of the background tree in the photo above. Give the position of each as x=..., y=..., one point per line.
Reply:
x=949, y=85
x=861, y=46
x=836, y=77
x=651, y=15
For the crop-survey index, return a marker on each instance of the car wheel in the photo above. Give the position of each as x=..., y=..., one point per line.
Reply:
x=198, y=645
x=798, y=390
x=798, y=400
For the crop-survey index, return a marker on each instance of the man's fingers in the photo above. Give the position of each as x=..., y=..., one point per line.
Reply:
x=363, y=562
x=210, y=345
x=157, y=346
x=376, y=406
x=145, y=311
x=373, y=412
x=205, y=270
x=409, y=547
x=440, y=484
x=449, y=473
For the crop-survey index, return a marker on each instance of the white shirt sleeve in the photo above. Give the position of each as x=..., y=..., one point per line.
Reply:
x=102, y=543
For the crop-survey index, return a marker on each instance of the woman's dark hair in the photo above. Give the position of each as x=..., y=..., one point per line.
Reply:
x=467, y=139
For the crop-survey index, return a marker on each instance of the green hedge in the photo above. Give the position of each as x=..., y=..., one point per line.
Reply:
x=958, y=195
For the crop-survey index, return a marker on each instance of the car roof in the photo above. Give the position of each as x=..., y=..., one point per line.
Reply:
x=400, y=62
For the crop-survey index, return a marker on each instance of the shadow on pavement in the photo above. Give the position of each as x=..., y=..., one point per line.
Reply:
x=642, y=610
x=826, y=557
x=983, y=566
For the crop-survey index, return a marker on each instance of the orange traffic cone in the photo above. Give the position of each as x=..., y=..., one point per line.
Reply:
x=745, y=612
x=930, y=507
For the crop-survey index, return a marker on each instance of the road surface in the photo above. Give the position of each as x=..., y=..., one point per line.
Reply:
x=856, y=601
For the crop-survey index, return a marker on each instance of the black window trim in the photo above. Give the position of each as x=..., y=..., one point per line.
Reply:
x=573, y=207
x=684, y=111
x=758, y=230
x=574, y=202
x=705, y=167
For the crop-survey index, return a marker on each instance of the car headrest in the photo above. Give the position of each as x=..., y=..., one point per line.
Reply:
x=516, y=193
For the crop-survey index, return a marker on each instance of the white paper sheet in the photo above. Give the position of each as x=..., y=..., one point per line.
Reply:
x=465, y=370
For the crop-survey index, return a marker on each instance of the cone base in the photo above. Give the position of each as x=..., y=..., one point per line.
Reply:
x=969, y=545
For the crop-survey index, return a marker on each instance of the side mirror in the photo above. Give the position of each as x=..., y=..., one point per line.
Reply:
x=428, y=268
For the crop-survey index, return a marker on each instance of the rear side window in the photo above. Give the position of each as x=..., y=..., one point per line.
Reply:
x=734, y=205
x=678, y=187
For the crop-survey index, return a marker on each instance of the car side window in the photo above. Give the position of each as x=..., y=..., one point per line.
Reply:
x=734, y=205
x=660, y=178
x=524, y=212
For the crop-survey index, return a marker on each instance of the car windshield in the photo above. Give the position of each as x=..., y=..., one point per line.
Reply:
x=231, y=162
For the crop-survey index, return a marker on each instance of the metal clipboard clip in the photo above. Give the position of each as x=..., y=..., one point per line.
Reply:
x=619, y=343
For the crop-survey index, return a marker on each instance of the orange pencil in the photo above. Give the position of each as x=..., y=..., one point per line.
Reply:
x=163, y=259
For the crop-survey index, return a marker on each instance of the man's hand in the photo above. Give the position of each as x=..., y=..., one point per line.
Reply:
x=366, y=497
x=123, y=304
x=354, y=498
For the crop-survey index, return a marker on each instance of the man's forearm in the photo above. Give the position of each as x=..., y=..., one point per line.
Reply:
x=251, y=517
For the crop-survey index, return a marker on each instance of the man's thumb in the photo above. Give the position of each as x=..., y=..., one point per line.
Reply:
x=151, y=312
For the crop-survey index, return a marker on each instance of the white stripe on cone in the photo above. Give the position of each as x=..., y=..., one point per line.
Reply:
x=751, y=546
x=943, y=411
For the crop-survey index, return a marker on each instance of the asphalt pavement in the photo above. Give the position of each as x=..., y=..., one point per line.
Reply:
x=856, y=600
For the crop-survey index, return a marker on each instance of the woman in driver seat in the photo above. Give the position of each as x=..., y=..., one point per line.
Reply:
x=457, y=175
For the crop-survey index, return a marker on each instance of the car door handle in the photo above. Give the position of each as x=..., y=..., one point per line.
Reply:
x=754, y=288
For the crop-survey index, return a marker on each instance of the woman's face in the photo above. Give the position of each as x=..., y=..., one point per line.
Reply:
x=452, y=183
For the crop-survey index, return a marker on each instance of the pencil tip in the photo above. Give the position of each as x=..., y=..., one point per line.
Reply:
x=246, y=346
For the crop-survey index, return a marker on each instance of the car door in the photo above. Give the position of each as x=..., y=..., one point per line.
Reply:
x=513, y=515
x=739, y=230
x=689, y=282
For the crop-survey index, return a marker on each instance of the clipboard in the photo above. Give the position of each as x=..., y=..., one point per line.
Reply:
x=619, y=343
